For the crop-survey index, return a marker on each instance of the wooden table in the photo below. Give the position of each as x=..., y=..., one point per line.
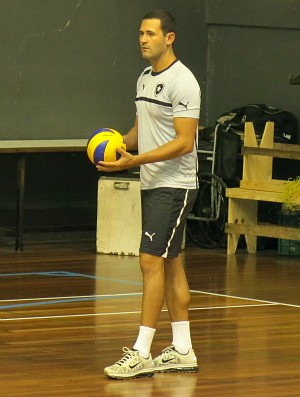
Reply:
x=21, y=149
x=257, y=184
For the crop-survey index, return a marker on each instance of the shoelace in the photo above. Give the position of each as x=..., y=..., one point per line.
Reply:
x=128, y=354
x=169, y=349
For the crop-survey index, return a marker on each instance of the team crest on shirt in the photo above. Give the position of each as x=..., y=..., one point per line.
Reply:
x=158, y=89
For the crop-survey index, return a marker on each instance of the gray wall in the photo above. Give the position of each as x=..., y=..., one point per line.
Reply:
x=253, y=46
x=68, y=67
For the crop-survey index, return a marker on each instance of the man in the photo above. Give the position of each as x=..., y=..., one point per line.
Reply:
x=168, y=106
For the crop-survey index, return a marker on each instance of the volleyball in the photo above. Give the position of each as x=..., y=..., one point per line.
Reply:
x=102, y=145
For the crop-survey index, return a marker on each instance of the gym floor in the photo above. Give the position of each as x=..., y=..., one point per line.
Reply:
x=66, y=313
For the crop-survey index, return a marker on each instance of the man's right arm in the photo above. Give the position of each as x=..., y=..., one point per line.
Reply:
x=131, y=139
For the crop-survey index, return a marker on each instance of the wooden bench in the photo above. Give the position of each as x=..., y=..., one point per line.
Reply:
x=257, y=185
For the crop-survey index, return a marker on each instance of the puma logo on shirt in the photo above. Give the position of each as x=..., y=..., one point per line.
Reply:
x=185, y=105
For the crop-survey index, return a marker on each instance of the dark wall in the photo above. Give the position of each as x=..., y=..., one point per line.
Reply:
x=253, y=47
x=69, y=67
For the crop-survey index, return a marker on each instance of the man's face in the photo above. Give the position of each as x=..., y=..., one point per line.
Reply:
x=152, y=41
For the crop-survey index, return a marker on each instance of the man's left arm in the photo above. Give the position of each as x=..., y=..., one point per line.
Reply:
x=185, y=128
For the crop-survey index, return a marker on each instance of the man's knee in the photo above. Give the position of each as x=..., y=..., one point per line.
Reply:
x=151, y=263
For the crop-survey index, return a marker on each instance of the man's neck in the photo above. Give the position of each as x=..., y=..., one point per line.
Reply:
x=158, y=65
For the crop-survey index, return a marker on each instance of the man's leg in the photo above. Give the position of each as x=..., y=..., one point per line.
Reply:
x=178, y=299
x=153, y=298
x=180, y=356
x=177, y=289
x=138, y=361
x=153, y=288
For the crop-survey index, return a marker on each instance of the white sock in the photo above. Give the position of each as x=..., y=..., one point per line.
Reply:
x=144, y=341
x=181, y=336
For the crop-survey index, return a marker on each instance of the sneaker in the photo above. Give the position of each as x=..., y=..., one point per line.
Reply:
x=132, y=365
x=171, y=360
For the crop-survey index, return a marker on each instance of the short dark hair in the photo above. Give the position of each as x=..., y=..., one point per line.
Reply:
x=168, y=23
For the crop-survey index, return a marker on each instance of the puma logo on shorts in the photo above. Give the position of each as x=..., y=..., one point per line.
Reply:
x=150, y=235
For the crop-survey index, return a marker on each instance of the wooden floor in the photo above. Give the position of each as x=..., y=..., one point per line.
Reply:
x=66, y=313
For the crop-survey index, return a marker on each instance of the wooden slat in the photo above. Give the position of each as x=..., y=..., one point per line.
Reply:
x=290, y=152
x=241, y=211
x=273, y=186
x=286, y=146
x=258, y=168
x=259, y=195
x=274, y=231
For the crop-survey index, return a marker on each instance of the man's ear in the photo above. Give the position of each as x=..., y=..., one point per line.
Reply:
x=170, y=38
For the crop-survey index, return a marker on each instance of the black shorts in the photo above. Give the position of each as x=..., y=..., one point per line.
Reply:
x=164, y=213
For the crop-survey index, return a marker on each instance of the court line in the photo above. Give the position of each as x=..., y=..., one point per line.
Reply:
x=52, y=301
x=70, y=297
x=73, y=299
x=243, y=298
x=130, y=312
x=58, y=273
x=62, y=273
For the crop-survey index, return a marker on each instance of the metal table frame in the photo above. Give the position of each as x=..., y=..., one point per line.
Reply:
x=22, y=148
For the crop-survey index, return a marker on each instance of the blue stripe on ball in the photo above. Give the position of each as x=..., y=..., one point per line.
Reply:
x=99, y=152
x=97, y=132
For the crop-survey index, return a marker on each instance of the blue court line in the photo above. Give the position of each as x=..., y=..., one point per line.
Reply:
x=116, y=280
x=55, y=273
x=58, y=301
x=62, y=273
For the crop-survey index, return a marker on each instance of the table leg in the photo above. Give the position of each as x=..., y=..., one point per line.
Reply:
x=20, y=203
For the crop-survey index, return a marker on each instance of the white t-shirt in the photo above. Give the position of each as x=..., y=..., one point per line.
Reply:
x=162, y=96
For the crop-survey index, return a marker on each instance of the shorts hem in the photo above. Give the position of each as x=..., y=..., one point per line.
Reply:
x=160, y=255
